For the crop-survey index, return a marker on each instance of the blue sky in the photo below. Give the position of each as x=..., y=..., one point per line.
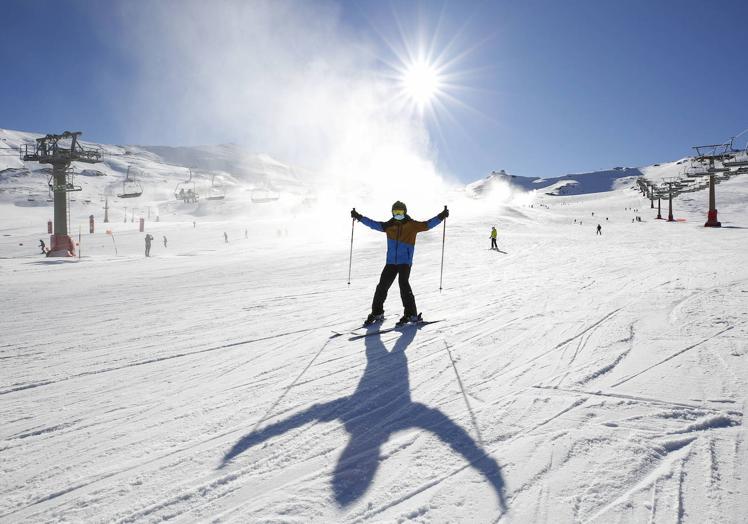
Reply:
x=544, y=87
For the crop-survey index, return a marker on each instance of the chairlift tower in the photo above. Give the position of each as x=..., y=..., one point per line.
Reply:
x=59, y=151
x=650, y=195
x=707, y=155
x=105, y=198
x=670, y=181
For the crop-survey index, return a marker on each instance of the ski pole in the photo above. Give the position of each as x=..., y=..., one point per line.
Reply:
x=350, y=257
x=444, y=236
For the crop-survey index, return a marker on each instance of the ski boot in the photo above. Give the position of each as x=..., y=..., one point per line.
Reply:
x=373, y=319
x=409, y=319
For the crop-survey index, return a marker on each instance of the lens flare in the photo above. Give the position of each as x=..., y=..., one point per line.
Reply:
x=427, y=69
x=421, y=83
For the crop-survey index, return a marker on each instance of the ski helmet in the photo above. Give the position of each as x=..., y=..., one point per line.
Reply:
x=399, y=205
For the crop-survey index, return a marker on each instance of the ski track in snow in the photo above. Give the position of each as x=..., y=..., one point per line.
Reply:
x=575, y=379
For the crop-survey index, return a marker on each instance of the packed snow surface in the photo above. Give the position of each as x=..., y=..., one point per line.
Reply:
x=573, y=377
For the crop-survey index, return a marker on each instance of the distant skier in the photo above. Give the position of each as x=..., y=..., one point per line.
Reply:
x=148, y=240
x=194, y=224
x=599, y=230
x=493, y=238
x=246, y=234
x=165, y=240
x=225, y=237
x=43, y=246
x=401, y=231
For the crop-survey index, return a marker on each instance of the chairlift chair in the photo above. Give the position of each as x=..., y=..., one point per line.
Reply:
x=696, y=169
x=262, y=196
x=131, y=188
x=69, y=185
x=740, y=159
x=215, y=192
x=186, y=191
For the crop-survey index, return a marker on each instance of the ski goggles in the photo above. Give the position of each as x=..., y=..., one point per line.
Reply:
x=398, y=213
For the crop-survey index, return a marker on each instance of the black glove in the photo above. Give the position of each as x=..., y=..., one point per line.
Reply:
x=355, y=214
x=444, y=214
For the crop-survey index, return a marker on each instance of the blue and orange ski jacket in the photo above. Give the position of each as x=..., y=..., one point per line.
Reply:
x=401, y=236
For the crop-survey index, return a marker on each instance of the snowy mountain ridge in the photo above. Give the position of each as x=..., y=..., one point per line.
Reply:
x=572, y=184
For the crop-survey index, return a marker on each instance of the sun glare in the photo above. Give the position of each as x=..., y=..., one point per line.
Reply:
x=421, y=83
x=426, y=69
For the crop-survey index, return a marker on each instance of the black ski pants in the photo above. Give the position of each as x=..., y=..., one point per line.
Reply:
x=390, y=271
x=493, y=244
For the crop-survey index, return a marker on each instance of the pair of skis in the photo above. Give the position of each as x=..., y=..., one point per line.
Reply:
x=371, y=330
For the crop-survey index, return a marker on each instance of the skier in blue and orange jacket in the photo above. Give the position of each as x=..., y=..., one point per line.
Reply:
x=401, y=233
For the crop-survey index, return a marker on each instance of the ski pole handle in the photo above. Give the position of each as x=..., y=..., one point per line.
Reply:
x=444, y=236
x=350, y=257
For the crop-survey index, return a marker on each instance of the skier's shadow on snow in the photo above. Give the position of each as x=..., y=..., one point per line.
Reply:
x=380, y=406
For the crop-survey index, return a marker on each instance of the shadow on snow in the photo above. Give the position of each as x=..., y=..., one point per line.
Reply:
x=380, y=406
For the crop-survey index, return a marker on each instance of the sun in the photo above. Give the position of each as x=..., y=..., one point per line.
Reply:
x=421, y=83
x=424, y=71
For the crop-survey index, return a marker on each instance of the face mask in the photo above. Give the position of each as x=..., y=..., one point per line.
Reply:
x=398, y=217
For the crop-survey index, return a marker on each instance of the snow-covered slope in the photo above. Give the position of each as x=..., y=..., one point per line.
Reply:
x=573, y=378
